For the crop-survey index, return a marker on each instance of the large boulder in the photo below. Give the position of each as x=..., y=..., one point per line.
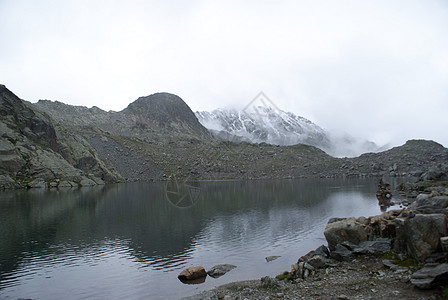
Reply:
x=350, y=230
x=430, y=276
x=419, y=236
x=192, y=273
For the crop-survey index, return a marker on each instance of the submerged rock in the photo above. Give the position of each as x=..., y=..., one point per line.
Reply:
x=271, y=258
x=219, y=270
x=191, y=273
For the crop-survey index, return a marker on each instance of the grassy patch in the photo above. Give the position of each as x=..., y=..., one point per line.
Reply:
x=444, y=291
x=408, y=262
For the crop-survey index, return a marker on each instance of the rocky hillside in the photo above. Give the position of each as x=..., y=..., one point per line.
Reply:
x=152, y=117
x=158, y=138
x=35, y=152
x=264, y=124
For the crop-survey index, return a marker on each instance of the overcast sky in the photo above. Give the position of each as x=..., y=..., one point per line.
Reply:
x=374, y=69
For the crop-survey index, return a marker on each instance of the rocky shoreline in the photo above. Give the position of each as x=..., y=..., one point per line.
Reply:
x=400, y=254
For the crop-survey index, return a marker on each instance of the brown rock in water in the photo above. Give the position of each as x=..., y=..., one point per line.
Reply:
x=192, y=273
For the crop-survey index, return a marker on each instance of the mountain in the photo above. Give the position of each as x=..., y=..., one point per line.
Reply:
x=266, y=125
x=274, y=126
x=158, y=137
x=154, y=115
x=36, y=152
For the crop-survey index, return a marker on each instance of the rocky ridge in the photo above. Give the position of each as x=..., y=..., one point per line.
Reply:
x=35, y=152
x=159, y=138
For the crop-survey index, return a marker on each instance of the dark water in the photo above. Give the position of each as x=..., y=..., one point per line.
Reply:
x=128, y=241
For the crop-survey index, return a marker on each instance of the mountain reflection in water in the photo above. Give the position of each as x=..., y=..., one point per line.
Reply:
x=129, y=241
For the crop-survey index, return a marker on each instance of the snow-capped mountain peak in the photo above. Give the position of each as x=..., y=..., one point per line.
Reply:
x=271, y=125
x=264, y=124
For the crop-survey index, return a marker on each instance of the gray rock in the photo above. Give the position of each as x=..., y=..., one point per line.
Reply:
x=87, y=182
x=271, y=258
x=37, y=183
x=6, y=182
x=436, y=173
x=219, y=270
x=319, y=262
x=422, y=197
x=322, y=251
x=430, y=276
x=334, y=220
x=377, y=246
x=420, y=236
x=438, y=202
x=341, y=253
x=444, y=243
x=67, y=184
x=345, y=230
x=393, y=266
x=53, y=184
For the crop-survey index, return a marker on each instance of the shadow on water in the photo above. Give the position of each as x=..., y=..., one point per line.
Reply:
x=157, y=234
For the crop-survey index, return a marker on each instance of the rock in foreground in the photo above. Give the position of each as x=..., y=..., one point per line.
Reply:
x=430, y=276
x=192, y=273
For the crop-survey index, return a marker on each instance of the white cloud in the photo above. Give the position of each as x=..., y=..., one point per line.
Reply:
x=376, y=69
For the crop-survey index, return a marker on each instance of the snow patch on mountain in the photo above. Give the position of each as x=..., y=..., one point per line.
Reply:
x=273, y=126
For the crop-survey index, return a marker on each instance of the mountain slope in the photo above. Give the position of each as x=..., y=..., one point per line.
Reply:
x=274, y=126
x=158, y=138
x=33, y=151
x=267, y=125
x=154, y=115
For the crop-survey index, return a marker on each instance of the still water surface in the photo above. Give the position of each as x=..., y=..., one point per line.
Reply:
x=127, y=241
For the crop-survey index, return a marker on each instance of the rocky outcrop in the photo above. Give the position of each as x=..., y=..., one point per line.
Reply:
x=34, y=153
x=147, y=117
x=347, y=230
x=418, y=235
x=157, y=137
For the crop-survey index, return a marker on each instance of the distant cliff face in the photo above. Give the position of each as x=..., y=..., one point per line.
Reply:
x=20, y=117
x=35, y=152
x=160, y=113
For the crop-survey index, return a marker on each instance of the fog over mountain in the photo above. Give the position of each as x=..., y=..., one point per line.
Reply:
x=266, y=124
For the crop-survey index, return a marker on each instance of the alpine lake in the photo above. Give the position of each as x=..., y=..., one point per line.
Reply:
x=131, y=240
